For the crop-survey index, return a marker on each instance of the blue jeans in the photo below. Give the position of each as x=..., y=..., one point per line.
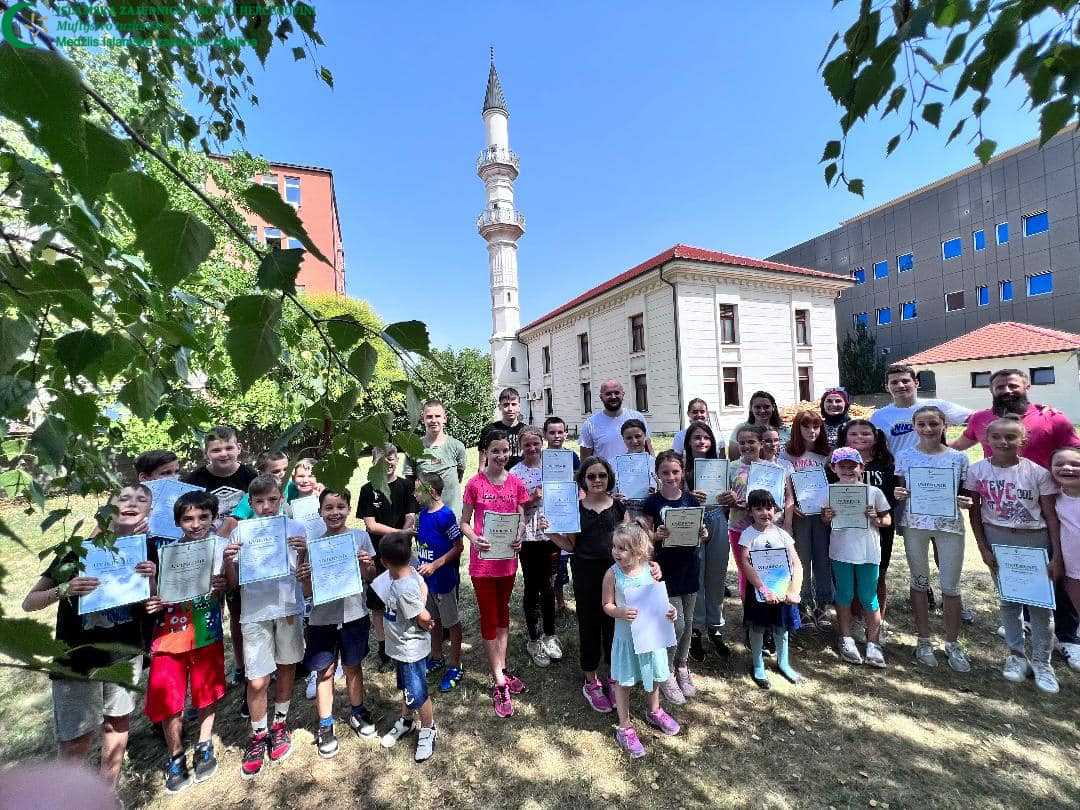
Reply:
x=412, y=680
x=715, y=553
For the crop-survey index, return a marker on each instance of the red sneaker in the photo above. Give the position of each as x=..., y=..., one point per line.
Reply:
x=252, y=762
x=280, y=742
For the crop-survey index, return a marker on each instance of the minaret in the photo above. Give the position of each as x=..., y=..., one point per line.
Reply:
x=502, y=225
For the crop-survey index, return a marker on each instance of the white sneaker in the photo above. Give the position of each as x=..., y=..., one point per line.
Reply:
x=848, y=651
x=858, y=630
x=671, y=691
x=883, y=634
x=403, y=726
x=958, y=660
x=425, y=743
x=553, y=648
x=538, y=653
x=1071, y=653
x=924, y=652
x=874, y=656
x=1016, y=668
x=1045, y=680
x=309, y=691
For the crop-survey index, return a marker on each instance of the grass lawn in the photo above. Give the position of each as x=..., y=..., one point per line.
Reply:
x=849, y=737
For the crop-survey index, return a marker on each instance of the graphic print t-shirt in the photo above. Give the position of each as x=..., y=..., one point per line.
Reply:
x=898, y=428
x=230, y=489
x=1010, y=495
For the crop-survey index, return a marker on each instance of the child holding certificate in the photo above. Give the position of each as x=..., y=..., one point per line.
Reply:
x=188, y=647
x=636, y=440
x=631, y=548
x=1013, y=505
x=494, y=490
x=930, y=479
x=766, y=610
x=555, y=435
x=748, y=443
x=681, y=567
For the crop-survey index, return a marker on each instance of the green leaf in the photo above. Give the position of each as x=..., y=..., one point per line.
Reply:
x=141, y=196
x=956, y=130
x=896, y=98
x=979, y=105
x=39, y=84
x=412, y=404
x=956, y=47
x=267, y=204
x=14, y=482
x=409, y=443
x=252, y=342
x=279, y=268
x=122, y=672
x=932, y=112
x=16, y=335
x=412, y=336
x=838, y=77
x=53, y=517
x=143, y=394
x=86, y=153
x=830, y=173
x=985, y=150
x=344, y=331
x=377, y=477
x=80, y=411
x=894, y=142
x=286, y=438
x=362, y=362
x=855, y=186
x=305, y=18
x=49, y=441
x=327, y=76
x=335, y=470
x=79, y=349
x=1054, y=116
x=298, y=54
x=27, y=640
x=175, y=243
x=832, y=151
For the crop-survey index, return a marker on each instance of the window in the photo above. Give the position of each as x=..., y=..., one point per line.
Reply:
x=904, y=262
x=1043, y=375
x=802, y=327
x=805, y=391
x=951, y=249
x=859, y=274
x=1006, y=291
x=583, y=348
x=731, y=386
x=1036, y=223
x=983, y=295
x=1003, y=233
x=268, y=180
x=1040, y=284
x=980, y=379
x=586, y=398
x=641, y=393
x=979, y=240
x=637, y=334
x=860, y=319
x=549, y=405
x=292, y=190
x=293, y=243
x=272, y=237
x=513, y=364
x=881, y=269
x=545, y=354
x=728, y=334
x=908, y=311
x=954, y=301
x=884, y=316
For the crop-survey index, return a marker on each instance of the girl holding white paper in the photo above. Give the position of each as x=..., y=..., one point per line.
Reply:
x=636, y=440
x=631, y=548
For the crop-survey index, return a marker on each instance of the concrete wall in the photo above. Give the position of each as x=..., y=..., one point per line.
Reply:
x=954, y=381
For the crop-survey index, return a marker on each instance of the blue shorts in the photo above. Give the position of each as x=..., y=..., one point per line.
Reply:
x=326, y=641
x=412, y=680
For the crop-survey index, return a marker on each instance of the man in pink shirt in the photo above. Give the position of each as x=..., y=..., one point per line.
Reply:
x=1047, y=430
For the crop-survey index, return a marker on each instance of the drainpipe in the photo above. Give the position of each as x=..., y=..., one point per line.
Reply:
x=678, y=344
x=528, y=376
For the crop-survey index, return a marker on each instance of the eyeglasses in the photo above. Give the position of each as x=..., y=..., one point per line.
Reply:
x=601, y=476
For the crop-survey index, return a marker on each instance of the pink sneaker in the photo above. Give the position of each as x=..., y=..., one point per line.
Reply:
x=628, y=741
x=609, y=690
x=513, y=682
x=663, y=721
x=595, y=694
x=500, y=697
x=685, y=681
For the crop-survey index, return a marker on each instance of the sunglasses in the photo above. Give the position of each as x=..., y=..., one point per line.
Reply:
x=602, y=476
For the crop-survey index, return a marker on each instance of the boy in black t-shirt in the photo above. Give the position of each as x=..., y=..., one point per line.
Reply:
x=510, y=407
x=381, y=517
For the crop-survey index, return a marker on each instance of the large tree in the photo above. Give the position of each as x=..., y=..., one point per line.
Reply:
x=862, y=365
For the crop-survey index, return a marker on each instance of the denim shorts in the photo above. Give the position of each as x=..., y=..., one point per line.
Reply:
x=412, y=680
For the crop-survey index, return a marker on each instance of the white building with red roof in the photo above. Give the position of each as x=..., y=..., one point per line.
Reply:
x=962, y=366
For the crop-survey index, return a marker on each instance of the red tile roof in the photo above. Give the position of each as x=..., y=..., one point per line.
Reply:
x=1005, y=339
x=681, y=252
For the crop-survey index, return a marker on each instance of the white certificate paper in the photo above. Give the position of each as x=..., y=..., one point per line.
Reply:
x=633, y=474
x=811, y=490
x=774, y=568
x=768, y=476
x=304, y=507
x=557, y=465
x=335, y=569
x=119, y=582
x=381, y=585
x=683, y=524
x=165, y=491
x=711, y=476
x=501, y=530
x=314, y=526
x=264, y=548
x=184, y=570
x=560, y=507
x=1022, y=576
x=849, y=502
x=651, y=629
x=933, y=491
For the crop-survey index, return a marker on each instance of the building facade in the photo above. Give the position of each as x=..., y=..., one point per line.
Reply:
x=991, y=243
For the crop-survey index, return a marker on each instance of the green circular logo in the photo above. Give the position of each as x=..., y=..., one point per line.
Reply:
x=35, y=26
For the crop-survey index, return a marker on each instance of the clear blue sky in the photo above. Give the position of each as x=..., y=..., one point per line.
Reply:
x=639, y=126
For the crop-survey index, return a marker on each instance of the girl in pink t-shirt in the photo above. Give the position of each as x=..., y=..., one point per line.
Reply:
x=494, y=490
x=1065, y=467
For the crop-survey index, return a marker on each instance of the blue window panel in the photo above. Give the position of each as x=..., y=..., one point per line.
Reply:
x=951, y=249
x=908, y=311
x=1036, y=223
x=859, y=275
x=1040, y=284
x=861, y=319
x=979, y=238
x=881, y=269
x=905, y=262
x=1003, y=233
x=294, y=243
x=272, y=233
x=1006, y=291
x=292, y=190
x=984, y=295
x=884, y=316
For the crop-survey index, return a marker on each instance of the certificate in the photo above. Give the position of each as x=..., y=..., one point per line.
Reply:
x=558, y=465
x=219, y=554
x=774, y=568
x=304, y=507
x=769, y=477
x=683, y=524
x=501, y=530
x=811, y=490
x=633, y=474
x=165, y=491
x=651, y=629
x=335, y=570
x=711, y=477
x=849, y=502
x=560, y=507
x=264, y=548
x=933, y=491
x=313, y=526
x=115, y=570
x=1022, y=576
x=381, y=585
x=184, y=570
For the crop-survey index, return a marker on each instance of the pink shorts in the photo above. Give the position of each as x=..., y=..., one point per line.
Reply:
x=168, y=684
x=493, y=599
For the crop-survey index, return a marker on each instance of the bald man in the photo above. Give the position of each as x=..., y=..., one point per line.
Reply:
x=601, y=433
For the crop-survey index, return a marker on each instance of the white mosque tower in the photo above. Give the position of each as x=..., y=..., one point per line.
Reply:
x=502, y=225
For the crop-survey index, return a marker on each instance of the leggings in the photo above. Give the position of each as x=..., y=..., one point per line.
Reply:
x=733, y=538
x=538, y=598
x=684, y=624
x=715, y=552
x=596, y=629
x=812, y=546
